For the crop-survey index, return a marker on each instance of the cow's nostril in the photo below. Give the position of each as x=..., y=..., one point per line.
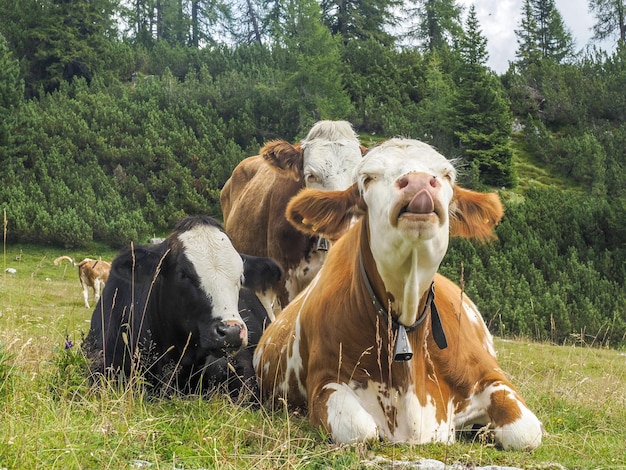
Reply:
x=229, y=334
x=403, y=182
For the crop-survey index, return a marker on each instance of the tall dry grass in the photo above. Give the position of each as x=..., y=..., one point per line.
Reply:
x=52, y=417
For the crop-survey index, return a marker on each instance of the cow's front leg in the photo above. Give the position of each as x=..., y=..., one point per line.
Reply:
x=336, y=408
x=98, y=285
x=498, y=405
x=86, y=295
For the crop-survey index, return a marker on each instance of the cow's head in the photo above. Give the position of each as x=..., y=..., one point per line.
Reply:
x=411, y=204
x=325, y=159
x=194, y=277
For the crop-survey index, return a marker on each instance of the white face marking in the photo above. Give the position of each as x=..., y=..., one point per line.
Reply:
x=359, y=414
x=407, y=248
x=219, y=267
x=331, y=150
x=329, y=165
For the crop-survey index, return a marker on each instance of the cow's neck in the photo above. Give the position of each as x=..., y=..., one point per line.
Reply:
x=403, y=287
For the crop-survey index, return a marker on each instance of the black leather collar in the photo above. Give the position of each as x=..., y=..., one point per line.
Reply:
x=438, y=332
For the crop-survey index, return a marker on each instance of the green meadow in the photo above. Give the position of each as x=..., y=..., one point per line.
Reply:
x=51, y=417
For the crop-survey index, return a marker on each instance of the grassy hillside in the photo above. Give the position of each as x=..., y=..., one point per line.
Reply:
x=531, y=171
x=50, y=418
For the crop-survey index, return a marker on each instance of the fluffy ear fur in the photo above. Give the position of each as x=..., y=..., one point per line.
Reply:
x=285, y=156
x=474, y=215
x=325, y=213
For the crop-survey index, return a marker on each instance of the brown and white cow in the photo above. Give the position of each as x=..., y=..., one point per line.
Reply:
x=379, y=345
x=255, y=197
x=92, y=273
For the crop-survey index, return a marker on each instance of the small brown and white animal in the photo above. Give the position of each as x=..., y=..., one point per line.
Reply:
x=379, y=345
x=92, y=273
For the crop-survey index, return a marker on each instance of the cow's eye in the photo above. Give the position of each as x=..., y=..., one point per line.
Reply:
x=367, y=179
x=311, y=178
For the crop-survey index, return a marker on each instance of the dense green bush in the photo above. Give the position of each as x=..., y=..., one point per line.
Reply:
x=557, y=269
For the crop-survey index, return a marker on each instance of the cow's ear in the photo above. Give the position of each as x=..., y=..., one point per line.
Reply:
x=260, y=273
x=474, y=215
x=285, y=156
x=325, y=213
x=140, y=264
x=364, y=149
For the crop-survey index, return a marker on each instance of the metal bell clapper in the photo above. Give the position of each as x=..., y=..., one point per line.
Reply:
x=402, y=350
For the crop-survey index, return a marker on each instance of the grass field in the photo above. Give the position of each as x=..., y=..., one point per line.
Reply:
x=50, y=417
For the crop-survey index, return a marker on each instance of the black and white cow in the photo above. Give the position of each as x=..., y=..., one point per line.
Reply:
x=168, y=309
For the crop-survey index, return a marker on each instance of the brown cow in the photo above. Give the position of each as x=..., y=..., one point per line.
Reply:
x=255, y=197
x=91, y=273
x=379, y=345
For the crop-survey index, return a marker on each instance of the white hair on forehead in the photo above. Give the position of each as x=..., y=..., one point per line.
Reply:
x=332, y=131
x=376, y=159
x=403, y=143
x=213, y=256
x=333, y=156
x=219, y=268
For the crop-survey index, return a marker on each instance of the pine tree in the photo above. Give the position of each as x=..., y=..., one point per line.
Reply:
x=11, y=90
x=435, y=23
x=528, y=50
x=542, y=34
x=59, y=40
x=555, y=39
x=483, y=123
x=210, y=22
x=473, y=45
x=247, y=22
x=360, y=20
x=610, y=19
x=314, y=84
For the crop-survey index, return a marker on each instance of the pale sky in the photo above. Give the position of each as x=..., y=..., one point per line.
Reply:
x=499, y=19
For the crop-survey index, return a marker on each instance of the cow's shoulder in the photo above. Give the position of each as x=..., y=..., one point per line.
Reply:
x=256, y=186
x=470, y=353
